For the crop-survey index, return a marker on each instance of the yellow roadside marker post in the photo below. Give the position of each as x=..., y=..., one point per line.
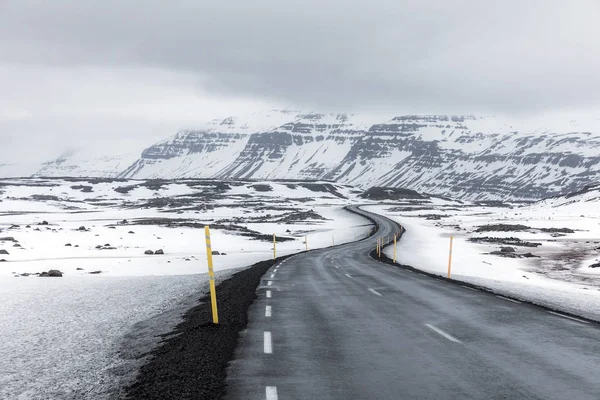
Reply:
x=332, y=241
x=211, y=277
x=450, y=258
x=274, y=247
x=394, y=248
x=306, y=242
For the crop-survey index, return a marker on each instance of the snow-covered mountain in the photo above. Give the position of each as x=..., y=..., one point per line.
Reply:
x=458, y=156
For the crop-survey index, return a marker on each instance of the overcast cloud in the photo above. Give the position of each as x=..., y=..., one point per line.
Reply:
x=96, y=71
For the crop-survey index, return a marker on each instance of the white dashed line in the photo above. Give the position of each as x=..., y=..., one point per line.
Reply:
x=272, y=275
x=444, y=334
x=336, y=267
x=348, y=275
x=268, y=294
x=568, y=317
x=375, y=292
x=268, y=343
x=507, y=299
x=271, y=393
x=269, y=283
x=267, y=311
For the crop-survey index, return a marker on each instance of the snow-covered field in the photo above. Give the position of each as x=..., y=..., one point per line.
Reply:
x=561, y=235
x=60, y=338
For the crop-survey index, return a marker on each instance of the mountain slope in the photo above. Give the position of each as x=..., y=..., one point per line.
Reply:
x=458, y=156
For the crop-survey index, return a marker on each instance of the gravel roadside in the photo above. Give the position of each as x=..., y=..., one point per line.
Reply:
x=191, y=362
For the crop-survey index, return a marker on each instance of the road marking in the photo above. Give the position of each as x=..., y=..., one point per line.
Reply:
x=336, y=267
x=267, y=311
x=375, y=291
x=272, y=275
x=507, y=299
x=268, y=294
x=470, y=288
x=348, y=275
x=268, y=343
x=271, y=393
x=444, y=334
x=568, y=317
x=269, y=283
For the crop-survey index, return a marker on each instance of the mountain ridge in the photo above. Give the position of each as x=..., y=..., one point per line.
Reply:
x=468, y=157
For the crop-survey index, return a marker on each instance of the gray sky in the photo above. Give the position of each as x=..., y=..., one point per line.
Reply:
x=98, y=72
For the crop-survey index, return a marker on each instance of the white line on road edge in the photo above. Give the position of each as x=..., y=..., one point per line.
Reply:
x=470, y=288
x=567, y=317
x=444, y=334
x=348, y=275
x=268, y=343
x=507, y=299
x=268, y=294
x=267, y=311
x=375, y=291
x=269, y=283
x=271, y=393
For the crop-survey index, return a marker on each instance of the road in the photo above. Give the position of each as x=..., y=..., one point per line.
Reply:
x=335, y=324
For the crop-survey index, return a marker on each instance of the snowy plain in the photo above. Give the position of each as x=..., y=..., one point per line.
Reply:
x=558, y=276
x=63, y=338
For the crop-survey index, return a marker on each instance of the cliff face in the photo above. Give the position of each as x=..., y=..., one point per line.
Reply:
x=459, y=156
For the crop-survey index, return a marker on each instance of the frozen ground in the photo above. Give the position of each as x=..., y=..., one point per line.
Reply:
x=558, y=274
x=60, y=338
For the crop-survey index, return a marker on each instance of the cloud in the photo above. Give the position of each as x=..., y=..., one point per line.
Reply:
x=181, y=61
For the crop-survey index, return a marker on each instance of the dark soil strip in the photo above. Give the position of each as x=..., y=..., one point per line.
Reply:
x=192, y=362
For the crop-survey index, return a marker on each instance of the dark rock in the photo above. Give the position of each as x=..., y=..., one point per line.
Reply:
x=511, y=241
x=109, y=248
x=107, y=245
x=112, y=227
x=28, y=226
x=507, y=249
x=53, y=273
x=37, y=229
x=215, y=253
x=557, y=230
x=68, y=245
x=2, y=251
x=95, y=272
x=43, y=223
x=502, y=228
x=99, y=247
x=187, y=259
x=79, y=269
x=3, y=260
x=8, y=239
x=76, y=245
x=596, y=265
x=148, y=252
x=159, y=251
x=16, y=245
x=82, y=229
x=223, y=254
x=25, y=274
x=131, y=232
x=14, y=227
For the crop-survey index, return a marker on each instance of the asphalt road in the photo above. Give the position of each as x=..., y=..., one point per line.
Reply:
x=335, y=324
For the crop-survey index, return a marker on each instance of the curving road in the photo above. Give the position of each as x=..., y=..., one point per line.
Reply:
x=335, y=324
